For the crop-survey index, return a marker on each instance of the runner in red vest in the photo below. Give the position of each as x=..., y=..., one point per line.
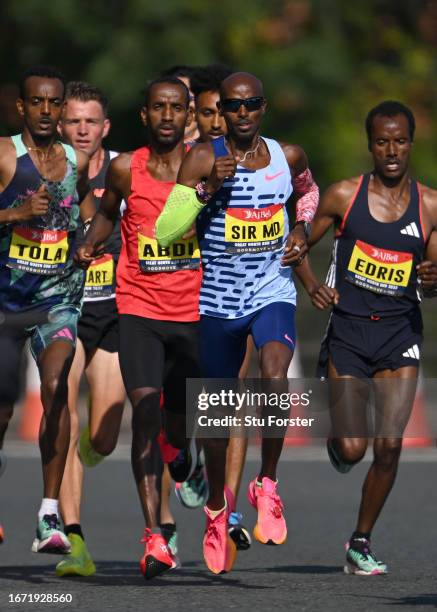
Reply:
x=157, y=300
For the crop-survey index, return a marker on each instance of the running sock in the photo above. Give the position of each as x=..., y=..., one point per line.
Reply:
x=168, y=528
x=48, y=506
x=360, y=541
x=357, y=535
x=214, y=513
x=156, y=530
x=74, y=528
x=259, y=482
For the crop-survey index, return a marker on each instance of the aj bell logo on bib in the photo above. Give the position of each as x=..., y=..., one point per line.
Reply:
x=379, y=270
x=250, y=230
x=181, y=255
x=39, y=251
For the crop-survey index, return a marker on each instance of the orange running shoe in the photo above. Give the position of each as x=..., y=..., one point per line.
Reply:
x=270, y=527
x=157, y=555
x=219, y=550
x=2, y=535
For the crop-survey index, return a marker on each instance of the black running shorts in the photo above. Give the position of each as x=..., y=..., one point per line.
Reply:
x=361, y=347
x=160, y=355
x=98, y=326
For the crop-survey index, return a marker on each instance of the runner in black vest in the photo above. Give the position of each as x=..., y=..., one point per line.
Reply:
x=386, y=225
x=85, y=124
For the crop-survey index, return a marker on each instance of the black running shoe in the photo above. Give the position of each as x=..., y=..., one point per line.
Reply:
x=185, y=463
x=238, y=531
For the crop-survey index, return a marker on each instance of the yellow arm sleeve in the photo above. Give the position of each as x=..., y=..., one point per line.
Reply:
x=179, y=214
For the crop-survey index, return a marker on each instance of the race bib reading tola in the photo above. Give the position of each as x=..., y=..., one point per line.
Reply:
x=40, y=251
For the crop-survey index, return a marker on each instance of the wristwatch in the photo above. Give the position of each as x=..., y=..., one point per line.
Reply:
x=306, y=227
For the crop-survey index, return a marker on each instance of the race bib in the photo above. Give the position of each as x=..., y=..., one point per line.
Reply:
x=100, y=278
x=249, y=230
x=39, y=251
x=379, y=270
x=181, y=255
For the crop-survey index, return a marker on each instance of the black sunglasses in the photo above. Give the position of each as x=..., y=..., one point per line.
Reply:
x=232, y=105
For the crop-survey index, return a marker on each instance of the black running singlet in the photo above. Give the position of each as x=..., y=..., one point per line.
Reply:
x=374, y=263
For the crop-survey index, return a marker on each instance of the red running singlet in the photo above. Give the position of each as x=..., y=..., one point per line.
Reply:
x=152, y=281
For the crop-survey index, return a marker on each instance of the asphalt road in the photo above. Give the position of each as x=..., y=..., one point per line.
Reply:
x=303, y=574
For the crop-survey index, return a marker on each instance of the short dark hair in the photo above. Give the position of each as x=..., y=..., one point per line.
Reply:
x=209, y=78
x=180, y=70
x=170, y=80
x=40, y=71
x=84, y=92
x=390, y=108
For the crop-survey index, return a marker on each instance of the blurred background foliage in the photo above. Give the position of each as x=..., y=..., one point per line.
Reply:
x=324, y=64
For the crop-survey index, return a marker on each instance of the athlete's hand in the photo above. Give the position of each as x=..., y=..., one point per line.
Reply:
x=191, y=232
x=427, y=273
x=36, y=205
x=296, y=247
x=224, y=167
x=86, y=254
x=323, y=297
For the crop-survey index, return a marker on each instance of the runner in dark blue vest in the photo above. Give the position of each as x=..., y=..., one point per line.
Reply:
x=385, y=229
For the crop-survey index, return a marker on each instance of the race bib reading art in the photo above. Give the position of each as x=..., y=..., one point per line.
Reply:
x=39, y=251
x=100, y=278
x=249, y=230
x=379, y=270
x=181, y=255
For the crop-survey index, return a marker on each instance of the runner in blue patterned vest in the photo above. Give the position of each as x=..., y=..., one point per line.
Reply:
x=385, y=230
x=240, y=184
x=42, y=184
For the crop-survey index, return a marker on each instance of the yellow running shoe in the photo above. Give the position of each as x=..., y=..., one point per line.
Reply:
x=78, y=562
x=88, y=455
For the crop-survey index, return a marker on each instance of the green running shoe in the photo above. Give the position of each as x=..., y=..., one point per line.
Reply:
x=78, y=562
x=193, y=493
x=361, y=561
x=50, y=538
x=335, y=460
x=88, y=455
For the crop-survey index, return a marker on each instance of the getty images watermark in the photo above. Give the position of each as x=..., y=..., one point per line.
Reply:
x=248, y=401
x=312, y=408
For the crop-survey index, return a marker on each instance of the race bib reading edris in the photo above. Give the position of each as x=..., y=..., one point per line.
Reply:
x=379, y=270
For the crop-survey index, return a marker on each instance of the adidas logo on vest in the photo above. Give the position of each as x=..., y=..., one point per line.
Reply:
x=411, y=230
x=413, y=352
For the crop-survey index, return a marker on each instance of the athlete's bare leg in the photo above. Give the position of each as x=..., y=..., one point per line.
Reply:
x=275, y=359
x=166, y=515
x=54, y=438
x=107, y=400
x=237, y=447
x=386, y=450
x=146, y=458
x=71, y=488
x=6, y=411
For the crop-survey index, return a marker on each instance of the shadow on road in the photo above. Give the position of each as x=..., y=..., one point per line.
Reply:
x=297, y=569
x=125, y=573
x=428, y=599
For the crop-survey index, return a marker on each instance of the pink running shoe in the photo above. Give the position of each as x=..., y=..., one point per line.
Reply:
x=270, y=527
x=219, y=550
